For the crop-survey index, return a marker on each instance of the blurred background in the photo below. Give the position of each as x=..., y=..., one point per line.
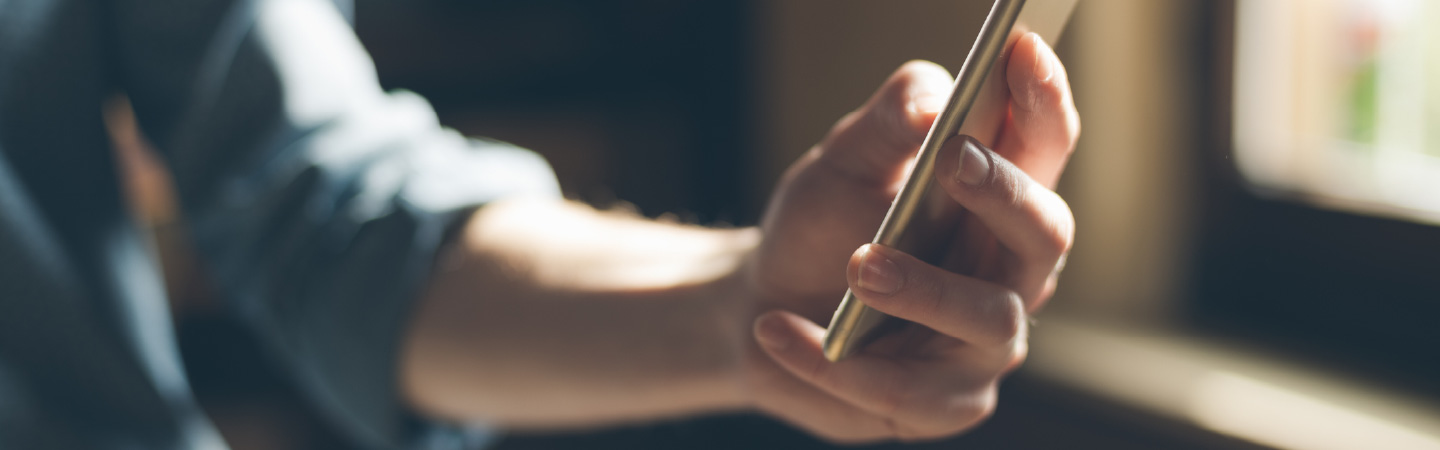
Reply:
x=1257, y=191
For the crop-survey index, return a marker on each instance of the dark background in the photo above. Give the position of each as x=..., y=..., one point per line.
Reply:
x=652, y=104
x=646, y=101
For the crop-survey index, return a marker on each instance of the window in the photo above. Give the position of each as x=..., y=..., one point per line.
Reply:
x=1338, y=102
x=1318, y=232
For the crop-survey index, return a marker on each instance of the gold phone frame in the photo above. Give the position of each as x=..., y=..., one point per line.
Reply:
x=923, y=220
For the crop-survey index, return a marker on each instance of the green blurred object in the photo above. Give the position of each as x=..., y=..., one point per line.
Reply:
x=1363, y=105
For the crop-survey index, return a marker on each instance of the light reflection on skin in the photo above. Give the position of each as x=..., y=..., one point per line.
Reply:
x=560, y=237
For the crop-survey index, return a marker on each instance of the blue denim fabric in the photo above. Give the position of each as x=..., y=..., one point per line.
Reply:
x=317, y=200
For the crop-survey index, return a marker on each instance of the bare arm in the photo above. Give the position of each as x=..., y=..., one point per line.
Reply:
x=551, y=313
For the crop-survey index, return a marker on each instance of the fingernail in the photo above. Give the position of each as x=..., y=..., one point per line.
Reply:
x=770, y=329
x=1044, y=60
x=879, y=274
x=974, y=166
x=928, y=104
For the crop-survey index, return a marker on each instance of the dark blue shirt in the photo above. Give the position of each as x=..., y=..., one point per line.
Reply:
x=317, y=200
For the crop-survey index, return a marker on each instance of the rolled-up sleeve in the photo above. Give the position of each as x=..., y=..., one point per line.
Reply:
x=317, y=201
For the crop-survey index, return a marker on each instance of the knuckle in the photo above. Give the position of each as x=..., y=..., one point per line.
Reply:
x=913, y=80
x=842, y=126
x=885, y=121
x=984, y=410
x=1006, y=186
x=918, y=72
x=1058, y=224
x=931, y=302
x=1008, y=318
x=940, y=416
x=1018, y=353
x=1073, y=127
x=965, y=411
x=924, y=294
x=1054, y=96
x=895, y=125
x=1041, y=97
x=1065, y=225
x=949, y=413
x=848, y=121
x=1058, y=241
x=979, y=408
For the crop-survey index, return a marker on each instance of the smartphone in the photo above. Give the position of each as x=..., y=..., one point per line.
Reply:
x=923, y=221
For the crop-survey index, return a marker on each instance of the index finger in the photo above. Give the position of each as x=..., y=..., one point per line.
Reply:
x=982, y=314
x=921, y=399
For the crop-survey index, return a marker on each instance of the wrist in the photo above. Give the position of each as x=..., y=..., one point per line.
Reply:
x=555, y=314
x=755, y=374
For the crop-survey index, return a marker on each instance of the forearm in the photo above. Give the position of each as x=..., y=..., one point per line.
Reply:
x=554, y=314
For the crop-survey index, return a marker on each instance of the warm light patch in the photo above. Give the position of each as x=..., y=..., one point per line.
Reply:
x=1338, y=102
x=1277, y=417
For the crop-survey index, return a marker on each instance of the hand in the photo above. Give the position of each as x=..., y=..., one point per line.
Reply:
x=940, y=377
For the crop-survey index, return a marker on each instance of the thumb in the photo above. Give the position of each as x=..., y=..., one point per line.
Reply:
x=874, y=144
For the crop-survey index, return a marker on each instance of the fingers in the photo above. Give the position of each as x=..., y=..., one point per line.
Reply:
x=1044, y=124
x=806, y=406
x=920, y=401
x=1029, y=219
x=982, y=314
x=874, y=143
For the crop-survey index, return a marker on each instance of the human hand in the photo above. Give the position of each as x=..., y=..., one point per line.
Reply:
x=940, y=377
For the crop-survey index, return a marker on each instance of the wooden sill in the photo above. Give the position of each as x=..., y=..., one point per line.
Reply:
x=1229, y=389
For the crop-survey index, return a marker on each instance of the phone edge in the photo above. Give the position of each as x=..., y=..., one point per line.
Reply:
x=846, y=332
